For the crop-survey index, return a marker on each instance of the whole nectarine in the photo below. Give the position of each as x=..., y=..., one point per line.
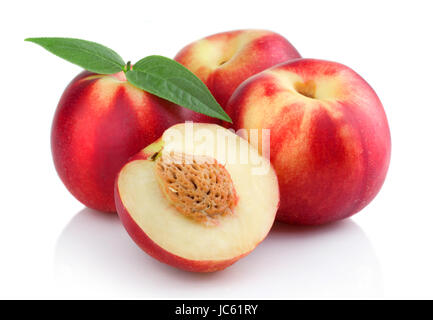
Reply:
x=329, y=137
x=222, y=61
x=100, y=122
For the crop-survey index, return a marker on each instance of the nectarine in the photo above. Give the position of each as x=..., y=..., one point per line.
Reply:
x=193, y=199
x=330, y=141
x=100, y=122
x=222, y=61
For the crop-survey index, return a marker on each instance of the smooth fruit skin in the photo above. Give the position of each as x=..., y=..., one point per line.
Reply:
x=101, y=121
x=331, y=153
x=154, y=250
x=224, y=60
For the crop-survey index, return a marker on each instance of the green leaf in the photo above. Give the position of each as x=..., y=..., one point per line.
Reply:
x=171, y=81
x=89, y=55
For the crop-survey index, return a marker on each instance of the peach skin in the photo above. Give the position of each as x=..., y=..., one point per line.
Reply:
x=224, y=60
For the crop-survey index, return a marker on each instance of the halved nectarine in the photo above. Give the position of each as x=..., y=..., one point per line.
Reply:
x=199, y=198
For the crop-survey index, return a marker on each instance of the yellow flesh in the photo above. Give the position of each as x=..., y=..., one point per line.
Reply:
x=234, y=235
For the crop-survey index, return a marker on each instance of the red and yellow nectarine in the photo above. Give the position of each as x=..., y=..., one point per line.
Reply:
x=329, y=137
x=100, y=122
x=222, y=61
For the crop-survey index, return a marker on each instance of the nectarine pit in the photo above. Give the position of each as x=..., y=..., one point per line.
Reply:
x=198, y=187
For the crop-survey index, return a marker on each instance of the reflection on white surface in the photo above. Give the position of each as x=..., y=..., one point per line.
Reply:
x=333, y=261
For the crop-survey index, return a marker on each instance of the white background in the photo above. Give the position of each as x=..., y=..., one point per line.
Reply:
x=52, y=247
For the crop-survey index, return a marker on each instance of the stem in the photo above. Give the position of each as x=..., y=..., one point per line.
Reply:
x=127, y=67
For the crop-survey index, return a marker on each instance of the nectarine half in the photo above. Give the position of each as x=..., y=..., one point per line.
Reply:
x=199, y=198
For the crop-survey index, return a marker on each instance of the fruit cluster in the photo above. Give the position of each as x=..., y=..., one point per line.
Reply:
x=312, y=146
